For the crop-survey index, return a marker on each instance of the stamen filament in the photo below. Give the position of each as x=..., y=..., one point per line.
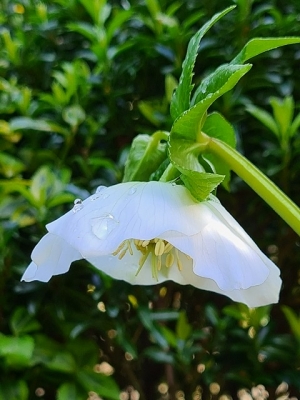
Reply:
x=119, y=248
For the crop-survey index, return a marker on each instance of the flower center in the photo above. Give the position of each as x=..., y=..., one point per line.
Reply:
x=162, y=253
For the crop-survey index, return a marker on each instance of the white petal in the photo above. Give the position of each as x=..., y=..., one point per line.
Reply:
x=224, y=217
x=255, y=296
x=131, y=210
x=51, y=256
x=220, y=255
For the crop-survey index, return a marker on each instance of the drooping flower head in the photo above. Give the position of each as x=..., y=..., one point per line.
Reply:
x=149, y=232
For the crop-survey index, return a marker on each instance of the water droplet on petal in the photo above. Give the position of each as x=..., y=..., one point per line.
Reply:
x=132, y=190
x=104, y=225
x=77, y=205
x=104, y=196
x=100, y=189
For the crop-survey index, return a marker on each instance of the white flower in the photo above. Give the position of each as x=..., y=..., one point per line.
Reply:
x=147, y=233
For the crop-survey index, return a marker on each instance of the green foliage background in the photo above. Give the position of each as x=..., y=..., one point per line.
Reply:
x=79, y=79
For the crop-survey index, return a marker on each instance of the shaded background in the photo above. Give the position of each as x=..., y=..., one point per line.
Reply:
x=79, y=79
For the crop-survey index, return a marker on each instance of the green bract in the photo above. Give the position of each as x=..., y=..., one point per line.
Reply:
x=186, y=144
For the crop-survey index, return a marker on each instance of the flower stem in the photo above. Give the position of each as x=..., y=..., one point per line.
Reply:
x=170, y=173
x=262, y=185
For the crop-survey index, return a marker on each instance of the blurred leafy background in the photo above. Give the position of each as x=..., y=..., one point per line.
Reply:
x=79, y=79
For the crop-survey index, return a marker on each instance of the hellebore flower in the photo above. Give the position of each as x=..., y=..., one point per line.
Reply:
x=149, y=232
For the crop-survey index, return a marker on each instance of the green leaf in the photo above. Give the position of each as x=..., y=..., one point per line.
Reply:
x=183, y=327
x=73, y=115
x=125, y=341
x=153, y=111
x=7, y=133
x=19, y=123
x=48, y=187
x=260, y=45
x=10, y=166
x=283, y=111
x=145, y=316
x=159, y=355
x=61, y=198
x=116, y=22
x=17, y=351
x=295, y=125
x=62, y=362
x=103, y=385
x=170, y=336
x=42, y=184
x=84, y=28
x=13, y=390
x=170, y=85
x=181, y=97
x=145, y=156
x=293, y=319
x=264, y=117
x=68, y=391
x=99, y=10
x=216, y=126
x=200, y=184
x=184, y=147
x=224, y=78
x=22, y=322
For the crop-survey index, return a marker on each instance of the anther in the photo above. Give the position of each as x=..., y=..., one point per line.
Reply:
x=159, y=248
x=179, y=263
x=119, y=248
x=168, y=247
x=170, y=260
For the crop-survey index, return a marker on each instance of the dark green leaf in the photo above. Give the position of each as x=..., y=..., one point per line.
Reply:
x=17, y=351
x=260, y=45
x=22, y=322
x=185, y=148
x=264, y=117
x=181, y=97
x=294, y=321
x=62, y=362
x=20, y=123
x=10, y=166
x=103, y=385
x=13, y=390
x=223, y=79
x=159, y=356
x=183, y=327
x=283, y=111
x=68, y=391
x=145, y=156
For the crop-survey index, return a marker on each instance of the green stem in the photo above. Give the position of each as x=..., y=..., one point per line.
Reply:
x=262, y=185
x=170, y=173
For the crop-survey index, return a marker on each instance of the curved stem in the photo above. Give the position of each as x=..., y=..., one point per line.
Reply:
x=170, y=173
x=262, y=185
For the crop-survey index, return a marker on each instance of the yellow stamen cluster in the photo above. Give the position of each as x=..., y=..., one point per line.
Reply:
x=163, y=253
